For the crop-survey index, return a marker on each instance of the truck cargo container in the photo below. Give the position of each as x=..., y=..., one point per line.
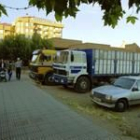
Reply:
x=81, y=68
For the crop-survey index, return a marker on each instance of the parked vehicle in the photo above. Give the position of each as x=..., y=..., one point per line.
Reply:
x=124, y=92
x=84, y=68
x=41, y=66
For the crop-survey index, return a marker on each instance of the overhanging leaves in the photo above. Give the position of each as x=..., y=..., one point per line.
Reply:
x=2, y=10
x=131, y=19
x=113, y=11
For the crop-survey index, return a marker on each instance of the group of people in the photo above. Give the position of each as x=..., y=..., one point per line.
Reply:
x=8, y=67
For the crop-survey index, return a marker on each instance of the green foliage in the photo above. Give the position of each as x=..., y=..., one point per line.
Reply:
x=134, y=2
x=2, y=10
x=19, y=46
x=132, y=19
x=39, y=43
x=113, y=11
x=112, y=15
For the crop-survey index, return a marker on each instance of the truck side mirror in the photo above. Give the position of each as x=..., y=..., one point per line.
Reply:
x=72, y=57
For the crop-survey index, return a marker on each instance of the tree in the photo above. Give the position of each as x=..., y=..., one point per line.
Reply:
x=15, y=46
x=40, y=43
x=113, y=10
x=2, y=10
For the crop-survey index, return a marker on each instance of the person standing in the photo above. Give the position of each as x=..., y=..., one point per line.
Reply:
x=3, y=70
x=2, y=65
x=9, y=70
x=18, y=66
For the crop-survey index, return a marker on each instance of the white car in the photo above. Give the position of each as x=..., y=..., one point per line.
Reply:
x=125, y=91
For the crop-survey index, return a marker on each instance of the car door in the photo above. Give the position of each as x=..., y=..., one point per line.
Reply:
x=135, y=94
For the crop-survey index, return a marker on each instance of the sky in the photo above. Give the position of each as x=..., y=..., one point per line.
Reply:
x=88, y=25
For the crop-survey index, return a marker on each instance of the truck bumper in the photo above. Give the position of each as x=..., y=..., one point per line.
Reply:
x=60, y=79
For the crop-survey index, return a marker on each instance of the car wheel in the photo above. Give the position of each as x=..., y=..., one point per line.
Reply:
x=121, y=106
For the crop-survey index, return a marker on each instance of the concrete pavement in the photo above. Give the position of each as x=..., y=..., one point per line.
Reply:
x=29, y=113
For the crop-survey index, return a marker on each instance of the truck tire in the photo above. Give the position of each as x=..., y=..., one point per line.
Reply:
x=82, y=85
x=48, y=80
x=121, y=105
x=65, y=86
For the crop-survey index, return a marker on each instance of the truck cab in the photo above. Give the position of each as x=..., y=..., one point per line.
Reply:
x=41, y=66
x=71, y=69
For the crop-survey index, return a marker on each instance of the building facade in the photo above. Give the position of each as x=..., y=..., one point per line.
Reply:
x=6, y=29
x=29, y=25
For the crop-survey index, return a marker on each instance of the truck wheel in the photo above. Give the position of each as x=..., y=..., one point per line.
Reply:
x=121, y=106
x=65, y=86
x=48, y=80
x=82, y=85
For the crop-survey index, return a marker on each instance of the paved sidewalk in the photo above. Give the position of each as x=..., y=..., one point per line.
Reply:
x=28, y=113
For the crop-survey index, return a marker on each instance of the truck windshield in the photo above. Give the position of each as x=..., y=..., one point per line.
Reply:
x=34, y=57
x=125, y=83
x=63, y=57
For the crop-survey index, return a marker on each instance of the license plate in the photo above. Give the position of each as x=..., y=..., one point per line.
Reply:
x=97, y=99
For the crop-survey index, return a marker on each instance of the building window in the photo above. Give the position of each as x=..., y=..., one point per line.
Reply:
x=17, y=29
x=18, y=24
x=22, y=24
x=26, y=30
x=1, y=36
x=27, y=24
x=40, y=26
x=1, y=31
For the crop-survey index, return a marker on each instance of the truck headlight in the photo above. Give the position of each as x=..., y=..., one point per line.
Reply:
x=108, y=97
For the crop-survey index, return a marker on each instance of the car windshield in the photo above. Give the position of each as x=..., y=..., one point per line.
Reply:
x=34, y=57
x=63, y=57
x=125, y=83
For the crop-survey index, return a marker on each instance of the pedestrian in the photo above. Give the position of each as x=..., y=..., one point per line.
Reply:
x=9, y=69
x=18, y=66
x=2, y=65
x=3, y=70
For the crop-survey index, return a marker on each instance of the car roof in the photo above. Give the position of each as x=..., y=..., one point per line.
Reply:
x=132, y=77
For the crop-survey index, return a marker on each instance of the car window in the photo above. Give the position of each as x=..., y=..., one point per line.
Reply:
x=138, y=84
x=47, y=57
x=125, y=83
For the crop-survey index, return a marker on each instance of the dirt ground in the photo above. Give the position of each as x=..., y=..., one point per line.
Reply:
x=126, y=123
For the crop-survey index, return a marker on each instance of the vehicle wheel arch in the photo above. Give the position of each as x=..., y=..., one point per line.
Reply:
x=46, y=75
x=48, y=72
x=125, y=100
x=83, y=75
